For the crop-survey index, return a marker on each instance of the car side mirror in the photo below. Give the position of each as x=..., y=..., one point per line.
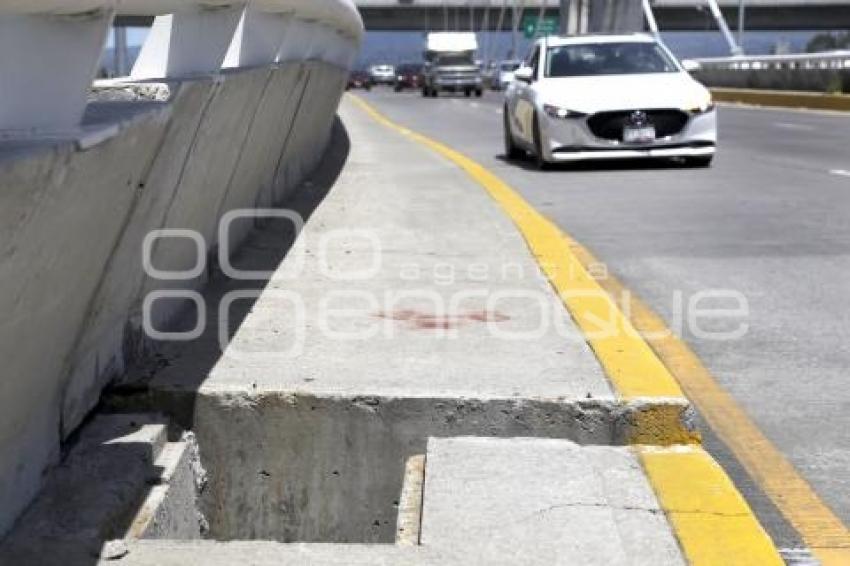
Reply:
x=690, y=65
x=524, y=74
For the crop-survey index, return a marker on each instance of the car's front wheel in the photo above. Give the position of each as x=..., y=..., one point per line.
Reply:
x=511, y=150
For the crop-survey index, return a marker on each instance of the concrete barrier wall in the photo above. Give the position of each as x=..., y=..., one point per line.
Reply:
x=814, y=80
x=72, y=223
x=783, y=98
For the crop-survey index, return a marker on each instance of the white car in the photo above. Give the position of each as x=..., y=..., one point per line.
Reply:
x=607, y=97
x=504, y=76
x=382, y=74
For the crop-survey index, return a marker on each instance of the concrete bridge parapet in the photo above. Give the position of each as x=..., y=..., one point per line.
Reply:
x=88, y=174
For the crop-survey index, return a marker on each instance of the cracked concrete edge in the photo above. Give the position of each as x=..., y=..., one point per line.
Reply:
x=410, y=503
x=656, y=421
x=122, y=478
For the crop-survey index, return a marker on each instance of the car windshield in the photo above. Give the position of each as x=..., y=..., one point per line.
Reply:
x=591, y=59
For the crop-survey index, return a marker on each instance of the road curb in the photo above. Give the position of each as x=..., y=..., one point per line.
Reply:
x=783, y=98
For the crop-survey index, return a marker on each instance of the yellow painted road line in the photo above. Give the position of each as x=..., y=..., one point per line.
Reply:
x=567, y=264
x=712, y=521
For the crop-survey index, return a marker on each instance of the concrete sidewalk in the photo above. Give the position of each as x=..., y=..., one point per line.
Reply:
x=408, y=312
x=409, y=307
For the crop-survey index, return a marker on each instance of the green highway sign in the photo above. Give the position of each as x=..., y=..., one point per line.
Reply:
x=533, y=26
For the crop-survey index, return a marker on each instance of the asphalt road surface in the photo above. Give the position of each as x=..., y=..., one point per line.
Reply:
x=770, y=220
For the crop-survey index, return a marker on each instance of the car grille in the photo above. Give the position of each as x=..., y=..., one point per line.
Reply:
x=609, y=125
x=457, y=76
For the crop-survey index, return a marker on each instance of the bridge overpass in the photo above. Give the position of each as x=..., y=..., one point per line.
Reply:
x=672, y=15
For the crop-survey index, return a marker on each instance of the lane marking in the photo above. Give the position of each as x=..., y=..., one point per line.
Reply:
x=783, y=109
x=631, y=363
x=708, y=514
x=840, y=172
x=820, y=528
x=792, y=126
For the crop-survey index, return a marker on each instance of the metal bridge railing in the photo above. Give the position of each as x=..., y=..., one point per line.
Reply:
x=832, y=60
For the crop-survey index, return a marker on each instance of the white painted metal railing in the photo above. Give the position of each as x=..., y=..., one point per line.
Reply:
x=830, y=60
x=50, y=49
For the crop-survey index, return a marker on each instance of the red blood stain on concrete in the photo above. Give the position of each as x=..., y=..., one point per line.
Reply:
x=487, y=316
x=425, y=321
x=406, y=314
x=435, y=322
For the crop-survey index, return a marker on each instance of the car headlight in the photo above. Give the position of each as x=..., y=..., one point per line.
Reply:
x=701, y=106
x=562, y=113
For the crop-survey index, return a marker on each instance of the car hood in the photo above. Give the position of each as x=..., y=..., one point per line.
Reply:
x=621, y=92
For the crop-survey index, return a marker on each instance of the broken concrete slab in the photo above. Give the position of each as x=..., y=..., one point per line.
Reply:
x=122, y=478
x=544, y=501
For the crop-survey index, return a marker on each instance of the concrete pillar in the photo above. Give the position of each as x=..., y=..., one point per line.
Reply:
x=575, y=15
x=257, y=39
x=47, y=63
x=193, y=42
x=120, y=50
x=615, y=16
x=297, y=41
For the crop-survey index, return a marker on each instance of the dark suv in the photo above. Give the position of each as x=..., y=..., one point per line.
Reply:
x=408, y=75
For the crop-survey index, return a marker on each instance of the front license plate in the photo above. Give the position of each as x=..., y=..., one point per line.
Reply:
x=642, y=134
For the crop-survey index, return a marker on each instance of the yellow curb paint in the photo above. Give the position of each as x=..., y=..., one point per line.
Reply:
x=712, y=521
x=568, y=266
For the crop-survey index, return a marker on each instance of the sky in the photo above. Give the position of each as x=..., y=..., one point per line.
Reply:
x=397, y=47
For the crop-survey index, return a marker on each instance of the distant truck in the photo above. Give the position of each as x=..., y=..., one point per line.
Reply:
x=450, y=64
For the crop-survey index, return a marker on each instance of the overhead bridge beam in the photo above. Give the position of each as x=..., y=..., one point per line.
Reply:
x=670, y=18
x=672, y=15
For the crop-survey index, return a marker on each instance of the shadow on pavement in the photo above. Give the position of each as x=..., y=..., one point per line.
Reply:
x=600, y=166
